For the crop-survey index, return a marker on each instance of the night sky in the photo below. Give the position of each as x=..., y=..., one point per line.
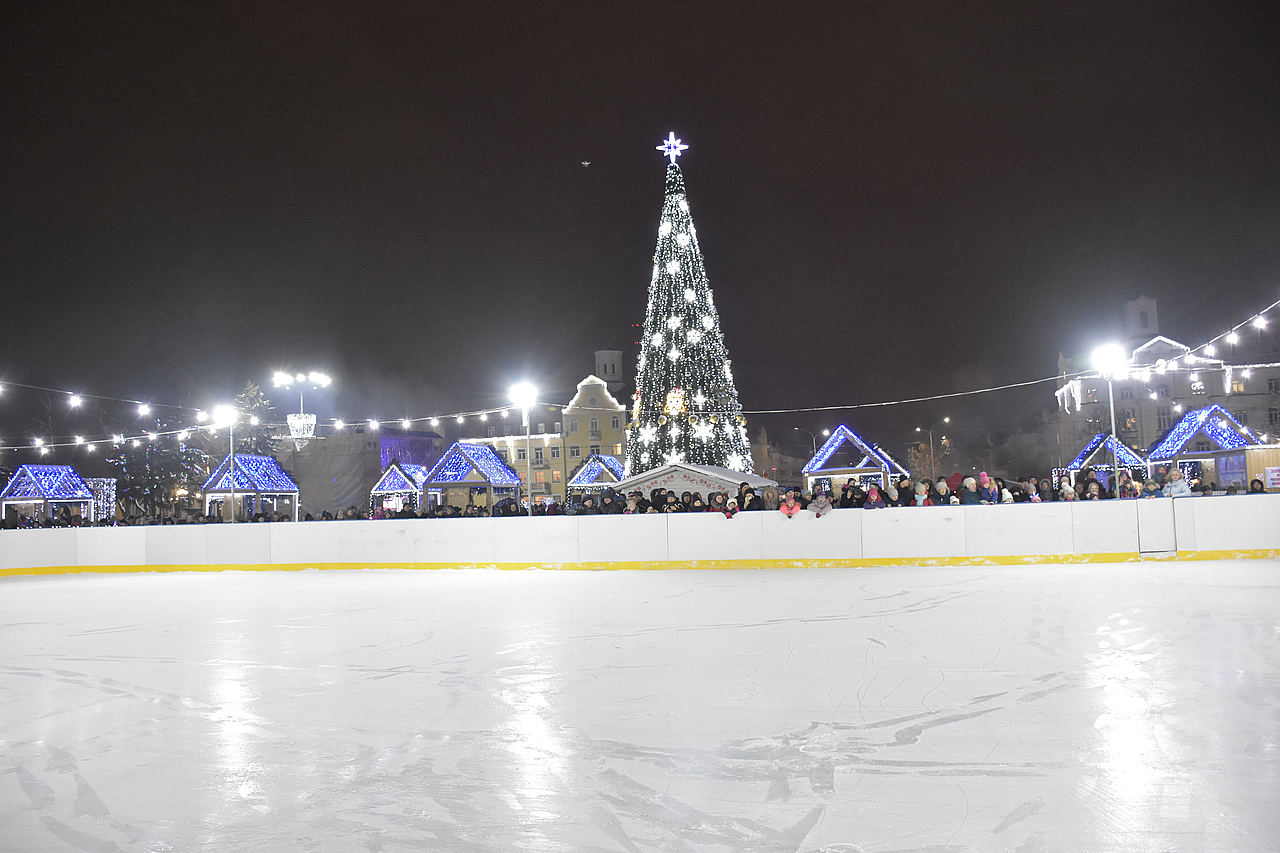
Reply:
x=893, y=199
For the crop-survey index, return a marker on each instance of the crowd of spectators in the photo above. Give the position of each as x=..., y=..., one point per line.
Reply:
x=956, y=490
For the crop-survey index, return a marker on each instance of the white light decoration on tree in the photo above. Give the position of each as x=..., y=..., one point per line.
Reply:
x=680, y=299
x=671, y=147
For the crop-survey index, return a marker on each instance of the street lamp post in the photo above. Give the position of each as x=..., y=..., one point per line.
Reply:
x=933, y=474
x=228, y=415
x=302, y=427
x=1108, y=359
x=525, y=395
x=812, y=437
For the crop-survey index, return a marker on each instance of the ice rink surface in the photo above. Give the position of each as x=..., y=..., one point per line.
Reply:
x=1124, y=707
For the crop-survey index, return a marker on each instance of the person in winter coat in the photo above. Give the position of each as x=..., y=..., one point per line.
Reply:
x=588, y=506
x=969, y=495
x=769, y=499
x=750, y=502
x=988, y=492
x=790, y=507
x=1256, y=487
x=730, y=508
x=717, y=502
x=1151, y=489
x=848, y=495
x=942, y=494
x=671, y=504
x=821, y=504
x=874, y=499
x=1175, y=485
x=922, y=497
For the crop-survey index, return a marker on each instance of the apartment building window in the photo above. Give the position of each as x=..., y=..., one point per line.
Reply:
x=575, y=452
x=573, y=424
x=617, y=450
x=1162, y=391
x=555, y=475
x=1197, y=386
x=506, y=429
x=1126, y=393
x=615, y=422
x=1143, y=320
x=537, y=454
x=595, y=424
x=555, y=451
x=502, y=454
x=1163, y=418
x=1273, y=415
x=539, y=476
x=559, y=425
x=542, y=428
x=1091, y=395
x=1237, y=386
x=1242, y=417
x=1128, y=420
x=492, y=431
x=1273, y=385
x=595, y=448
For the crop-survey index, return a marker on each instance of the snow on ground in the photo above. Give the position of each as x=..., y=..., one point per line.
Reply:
x=1040, y=708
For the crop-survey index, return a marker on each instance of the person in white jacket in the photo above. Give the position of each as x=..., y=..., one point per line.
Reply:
x=1175, y=485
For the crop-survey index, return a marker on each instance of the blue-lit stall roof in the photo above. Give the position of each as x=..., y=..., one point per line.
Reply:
x=1125, y=454
x=595, y=467
x=463, y=458
x=401, y=477
x=261, y=474
x=1214, y=421
x=46, y=483
x=874, y=456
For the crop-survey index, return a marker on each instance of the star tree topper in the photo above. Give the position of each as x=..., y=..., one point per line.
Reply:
x=672, y=147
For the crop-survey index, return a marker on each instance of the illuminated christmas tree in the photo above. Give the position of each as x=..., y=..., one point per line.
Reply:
x=686, y=406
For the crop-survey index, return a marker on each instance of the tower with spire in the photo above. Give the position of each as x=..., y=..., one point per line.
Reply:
x=686, y=405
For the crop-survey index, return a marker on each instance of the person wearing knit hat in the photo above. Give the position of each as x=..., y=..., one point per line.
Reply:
x=969, y=492
x=922, y=495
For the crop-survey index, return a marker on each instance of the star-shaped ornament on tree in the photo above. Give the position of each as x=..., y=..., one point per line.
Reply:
x=672, y=147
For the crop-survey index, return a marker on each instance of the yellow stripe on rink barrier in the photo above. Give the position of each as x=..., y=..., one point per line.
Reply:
x=669, y=565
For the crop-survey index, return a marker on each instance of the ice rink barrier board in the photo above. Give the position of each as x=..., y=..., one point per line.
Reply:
x=1220, y=527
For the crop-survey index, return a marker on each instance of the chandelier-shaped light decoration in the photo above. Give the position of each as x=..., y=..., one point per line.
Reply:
x=302, y=428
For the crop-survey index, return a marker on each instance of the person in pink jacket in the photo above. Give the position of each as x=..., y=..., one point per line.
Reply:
x=790, y=507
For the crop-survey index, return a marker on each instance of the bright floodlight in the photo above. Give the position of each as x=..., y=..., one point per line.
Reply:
x=373, y=424
x=74, y=400
x=202, y=416
x=224, y=416
x=319, y=379
x=524, y=395
x=144, y=409
x=1260, y=322
x=1109, y=358
x=302, y=377
x=338, y=424
x=281, y=378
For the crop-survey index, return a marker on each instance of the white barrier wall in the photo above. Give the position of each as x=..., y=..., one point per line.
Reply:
x=1198, y=527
